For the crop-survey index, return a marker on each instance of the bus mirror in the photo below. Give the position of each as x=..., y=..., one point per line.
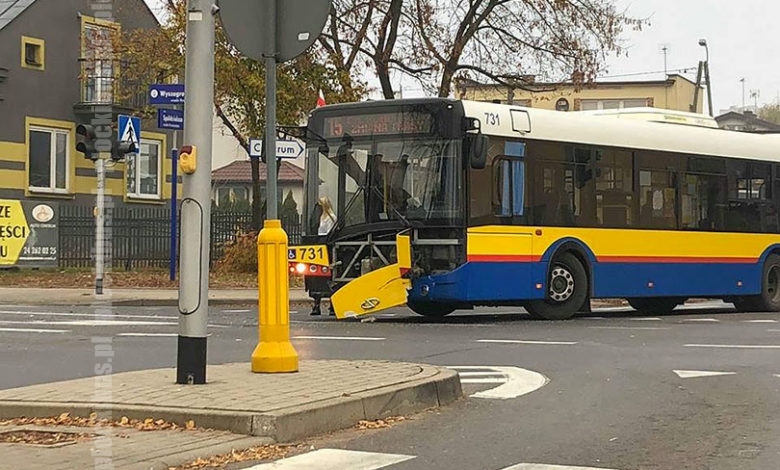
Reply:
x=478, y=151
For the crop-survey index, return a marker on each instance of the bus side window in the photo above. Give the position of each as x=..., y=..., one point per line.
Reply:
x=510, y=186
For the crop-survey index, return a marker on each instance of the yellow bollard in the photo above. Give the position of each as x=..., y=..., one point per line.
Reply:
x=274, y=352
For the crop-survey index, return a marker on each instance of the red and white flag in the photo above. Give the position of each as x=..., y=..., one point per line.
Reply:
x=320, y=99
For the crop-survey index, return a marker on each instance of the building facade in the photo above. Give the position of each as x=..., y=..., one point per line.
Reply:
x=59, y=71
x=675, y=93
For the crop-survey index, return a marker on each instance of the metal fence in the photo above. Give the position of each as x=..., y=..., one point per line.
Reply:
x=139, y=237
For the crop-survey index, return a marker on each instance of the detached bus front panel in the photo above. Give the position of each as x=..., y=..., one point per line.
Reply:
x=507, y=265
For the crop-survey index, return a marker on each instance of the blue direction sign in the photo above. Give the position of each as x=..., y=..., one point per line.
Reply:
x=166, y=93
x=170, y=119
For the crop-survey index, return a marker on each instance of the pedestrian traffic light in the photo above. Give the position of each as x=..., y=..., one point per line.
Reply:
x=188, y=158
x=86, y=141
x=120, y=149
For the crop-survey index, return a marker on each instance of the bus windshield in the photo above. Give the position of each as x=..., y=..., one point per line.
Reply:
x=395, y=178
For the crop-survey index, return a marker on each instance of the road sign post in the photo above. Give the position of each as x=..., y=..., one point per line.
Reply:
x=273, y=31
x=196, y=205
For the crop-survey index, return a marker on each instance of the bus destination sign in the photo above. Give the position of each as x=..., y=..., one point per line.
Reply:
x=361, y=125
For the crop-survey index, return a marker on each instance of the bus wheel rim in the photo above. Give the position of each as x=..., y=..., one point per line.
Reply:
x=561, y=284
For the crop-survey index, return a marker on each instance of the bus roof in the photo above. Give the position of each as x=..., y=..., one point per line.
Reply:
x=587, y=128
x=670, y=116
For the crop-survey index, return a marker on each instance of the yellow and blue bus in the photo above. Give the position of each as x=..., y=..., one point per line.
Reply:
x=445, y=204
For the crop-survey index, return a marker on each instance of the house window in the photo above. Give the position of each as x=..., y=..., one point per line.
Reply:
x=592, y=105
x=32, y=53
x=98, y=64
x=143, y=171
x=48, y=160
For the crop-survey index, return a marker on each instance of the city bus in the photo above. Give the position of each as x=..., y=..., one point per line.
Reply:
x=444, y=204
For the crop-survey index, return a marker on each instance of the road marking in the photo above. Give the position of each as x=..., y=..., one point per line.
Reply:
x=691, y=374
x=712, y=320
x=88, y=323
x=31, y=330
x=88, y=315
x=760, y=321
x=335, y=459
x=238, y=311
x=513, y=381
x=345, y=338
x=541, y=466
x=777, y=375
x=523, y=341
x=629, y=327
x=644, y=319
x=151, y=335
x=734, y=346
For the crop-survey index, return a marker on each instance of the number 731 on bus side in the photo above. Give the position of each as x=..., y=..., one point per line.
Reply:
x=309, y=260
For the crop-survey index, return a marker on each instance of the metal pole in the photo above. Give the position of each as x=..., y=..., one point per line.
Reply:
x=709, y=85
x=100, y=220
x=196, y=206
x=274, y=351
x=174, y=196
x=270, y=115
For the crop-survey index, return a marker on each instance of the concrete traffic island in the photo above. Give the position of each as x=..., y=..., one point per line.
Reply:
x=323, y=396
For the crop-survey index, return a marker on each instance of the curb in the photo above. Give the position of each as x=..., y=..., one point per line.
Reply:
x=441, y=387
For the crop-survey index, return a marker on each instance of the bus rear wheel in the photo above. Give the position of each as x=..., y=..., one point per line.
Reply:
x=654, y=305
x=567, y=290
x=431, y=309
x=769, y=299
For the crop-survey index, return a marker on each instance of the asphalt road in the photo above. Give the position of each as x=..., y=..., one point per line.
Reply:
x=698, y=389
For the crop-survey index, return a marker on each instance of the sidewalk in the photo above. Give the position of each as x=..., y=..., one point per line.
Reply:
x=132, y=297
x=235, y=410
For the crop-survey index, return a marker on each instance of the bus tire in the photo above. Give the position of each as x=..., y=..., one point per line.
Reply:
x=431, y=309
x=567, y=290
x=654, y=305
x=769, y=298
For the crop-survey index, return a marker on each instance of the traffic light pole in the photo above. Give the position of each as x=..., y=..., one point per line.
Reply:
x=196, y=198
x=100, y=220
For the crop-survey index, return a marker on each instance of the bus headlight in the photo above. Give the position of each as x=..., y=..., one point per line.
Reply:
x=300, y=268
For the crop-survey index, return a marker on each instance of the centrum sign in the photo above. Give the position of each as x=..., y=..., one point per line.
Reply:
x=28, y=234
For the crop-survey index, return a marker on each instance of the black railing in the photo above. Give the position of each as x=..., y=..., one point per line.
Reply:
x=140, y=237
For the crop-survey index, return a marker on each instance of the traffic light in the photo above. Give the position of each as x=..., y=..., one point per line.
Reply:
x=120, y=149
x=86, y=141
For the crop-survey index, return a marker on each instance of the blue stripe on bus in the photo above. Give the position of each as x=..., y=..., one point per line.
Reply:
x=474, y=282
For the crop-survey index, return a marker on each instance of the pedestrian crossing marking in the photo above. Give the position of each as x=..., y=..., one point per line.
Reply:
x=335, y=459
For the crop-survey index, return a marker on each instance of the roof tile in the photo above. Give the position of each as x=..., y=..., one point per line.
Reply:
x=240, y=171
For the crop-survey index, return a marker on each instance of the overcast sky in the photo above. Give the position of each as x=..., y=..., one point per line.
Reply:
x=740, y=35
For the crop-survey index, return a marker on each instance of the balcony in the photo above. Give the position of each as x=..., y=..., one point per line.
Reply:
x=101, y=90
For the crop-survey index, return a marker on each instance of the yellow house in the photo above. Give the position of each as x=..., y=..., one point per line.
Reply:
x=58, y=74
x=676, y=93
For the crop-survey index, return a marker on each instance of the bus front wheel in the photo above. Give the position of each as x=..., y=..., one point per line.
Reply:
x=567, y=290
x=430, y=309
x=769, y=299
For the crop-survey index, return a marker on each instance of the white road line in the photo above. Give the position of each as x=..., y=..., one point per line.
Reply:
x=734, y=346
x=88, y=323
x=630, y=327
x=486, y=380
x=335, y=459
x=31, y=330
x=759, y=321
x=345, y=338
x=777, y=375
x=514, y=383
x=691, y=374
x=703, y=320
x=88, y=315
x=644, y=319
x=541, y=466
x=151, y=335
x=238, y=311
x=523, y=341
x=481, y=374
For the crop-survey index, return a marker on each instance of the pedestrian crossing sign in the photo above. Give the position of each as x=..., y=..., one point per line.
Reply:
x=130, y=129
